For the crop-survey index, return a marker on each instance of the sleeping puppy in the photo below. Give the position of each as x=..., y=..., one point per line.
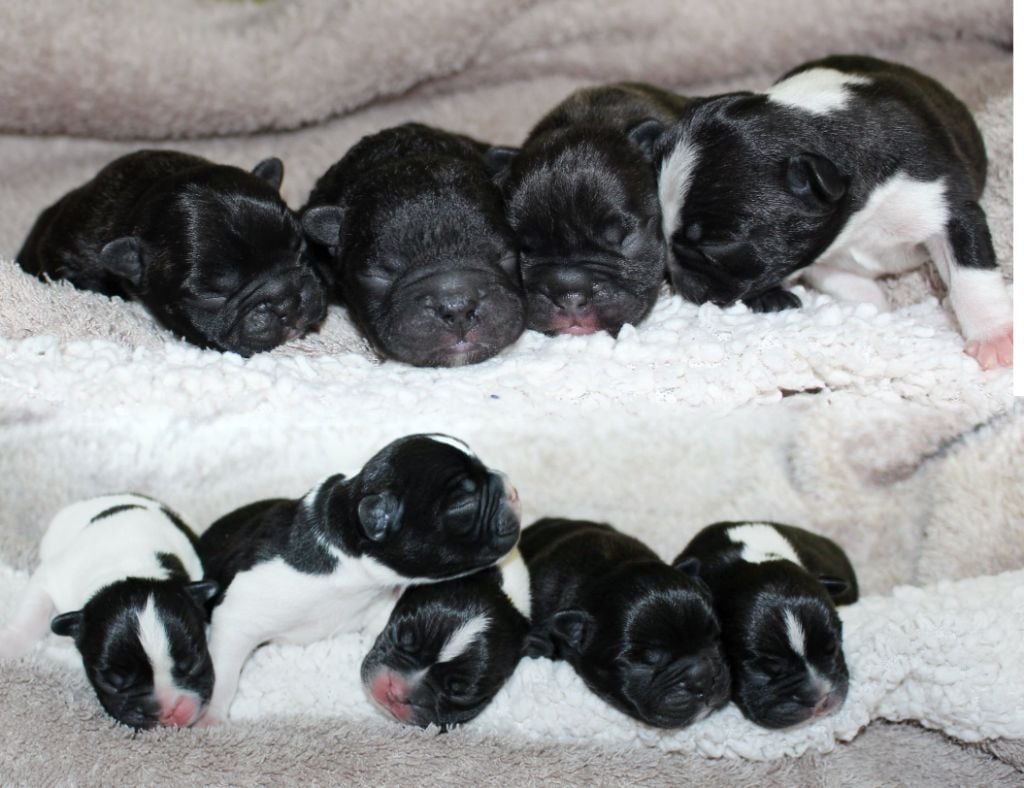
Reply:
x=413, y=232
x=422, y=509
x=775, y=590
x=212, y=251
x=847, y=169
x=642, y=635
x=124, y=579
x=449, y=647
x=582, y=200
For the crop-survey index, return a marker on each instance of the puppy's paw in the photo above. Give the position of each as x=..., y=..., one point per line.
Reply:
x=993, y=351
x=773, y=301
x=208, y=720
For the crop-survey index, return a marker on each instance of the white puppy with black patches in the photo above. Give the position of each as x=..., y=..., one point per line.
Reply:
x=849, y=168
x=121, y=575
x=449, y=647
x=775, y=588
x=422, y=510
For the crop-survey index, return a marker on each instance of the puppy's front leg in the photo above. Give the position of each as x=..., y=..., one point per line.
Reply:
x=30, y=623
x=966, y=262
x=845, y=286
x=230, y=646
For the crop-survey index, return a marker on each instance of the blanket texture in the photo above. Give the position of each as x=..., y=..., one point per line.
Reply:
x=874, y=429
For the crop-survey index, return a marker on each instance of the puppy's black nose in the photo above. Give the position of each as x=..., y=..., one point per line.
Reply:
x=699, y=675
x=574, y=302
x=458, y=312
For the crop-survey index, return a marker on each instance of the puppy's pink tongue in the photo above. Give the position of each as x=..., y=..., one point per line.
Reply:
x=826, y=705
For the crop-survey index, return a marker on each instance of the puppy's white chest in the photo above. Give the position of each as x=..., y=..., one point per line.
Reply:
x=886, y=235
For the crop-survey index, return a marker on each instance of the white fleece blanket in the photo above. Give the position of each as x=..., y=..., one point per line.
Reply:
x=947, y=655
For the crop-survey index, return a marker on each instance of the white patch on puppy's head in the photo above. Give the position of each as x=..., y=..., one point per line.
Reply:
x=762, y=542
x=795, y=633
x=448, y=440
x=818, y=90
x=154, y=642
x=463, y=637
x=674, y=184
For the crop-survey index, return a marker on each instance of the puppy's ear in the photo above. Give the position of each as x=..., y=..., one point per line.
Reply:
x=67, y=624
x=689, y=566
x=498, y=160
x=123, y=258
x=573, y=628
x=202, y=591
x=645, y=135
x=379, y=515
x=835, y=586
x=323, y=224
x=271, y=170
x=815, y=181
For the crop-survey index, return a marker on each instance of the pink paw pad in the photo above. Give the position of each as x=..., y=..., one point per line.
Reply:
x=994, y=351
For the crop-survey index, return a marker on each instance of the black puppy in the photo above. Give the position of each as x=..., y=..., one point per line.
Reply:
x=642, y=635
x=775, y=589
x=413, y=230
x=123, y=577
x=847, y=169
x=583, y=202
x=449, y=647
x=211, y=250
x=422, y=509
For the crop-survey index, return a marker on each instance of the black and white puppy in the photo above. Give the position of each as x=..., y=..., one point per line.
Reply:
x=847, y=169
x=775, y=589
x=124, y=578
x=211, y=250
x=413, y=230
x=449, y=647
x=422, y=509
x=583, y=202
x=642, y=635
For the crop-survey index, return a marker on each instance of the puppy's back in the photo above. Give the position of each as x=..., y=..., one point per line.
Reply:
x=618, y=107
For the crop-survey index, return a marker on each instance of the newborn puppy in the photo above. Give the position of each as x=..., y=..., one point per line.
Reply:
x=413, y=230
x=775, y=589
x=583, y=202
x=123, y=575
x=423, y=509
x=847, y=169
x=449, y=647
x=211, y=250
x=642, y=635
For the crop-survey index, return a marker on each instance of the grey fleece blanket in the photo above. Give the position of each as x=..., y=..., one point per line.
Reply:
x=871, y=428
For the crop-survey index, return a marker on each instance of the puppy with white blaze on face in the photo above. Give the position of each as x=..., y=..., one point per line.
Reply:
x=642, y=635
x=123, y=576
x=847, y=169
x=449, y=647
x=775, y=589
x=422, y=509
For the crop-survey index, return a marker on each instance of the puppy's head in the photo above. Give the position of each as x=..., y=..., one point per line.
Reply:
x=786, y=651
x=143, y=645
x=430, y=267
x=583, y=206
x=446, y=651
x=648, y=643
x=744, y=203
x=428, y=508
x=222, y=260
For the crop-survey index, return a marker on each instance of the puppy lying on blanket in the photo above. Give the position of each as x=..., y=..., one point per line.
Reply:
x=211, y=250
x=449, y=647
x=847, y=169
x=422, y=509
x=775, y=590
x=582, y=199
x=413, y=232
x=124, y=577
x=642, y=635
